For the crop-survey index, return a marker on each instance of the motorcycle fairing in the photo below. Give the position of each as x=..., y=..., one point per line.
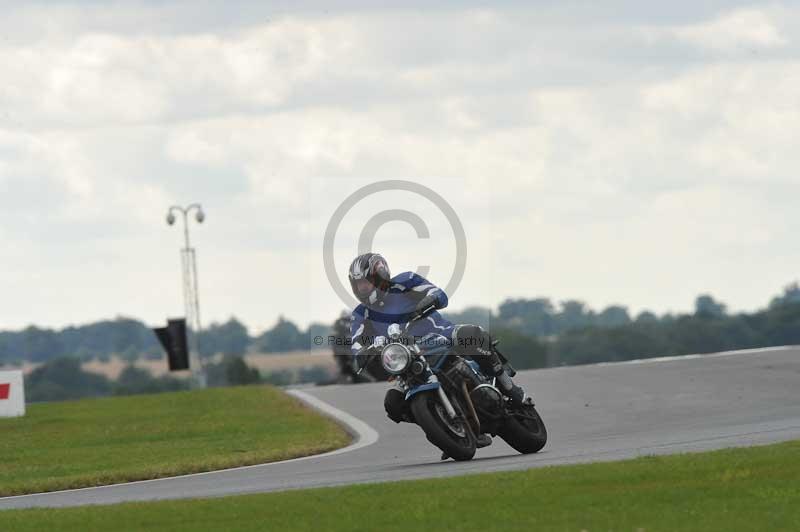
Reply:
x=422, y=388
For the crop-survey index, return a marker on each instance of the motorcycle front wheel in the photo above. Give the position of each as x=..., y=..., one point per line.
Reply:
x=524, y=431
x=452, y=436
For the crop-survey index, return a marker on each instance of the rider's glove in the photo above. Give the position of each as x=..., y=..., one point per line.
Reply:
x=427, y=301
x=362, y=357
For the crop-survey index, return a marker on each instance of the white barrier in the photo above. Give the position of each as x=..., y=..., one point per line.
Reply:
x=12, y=394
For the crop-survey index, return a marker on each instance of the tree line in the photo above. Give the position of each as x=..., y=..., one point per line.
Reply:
x=131, y=339
x=710, y=328
x=534, y=332
x=64, y=378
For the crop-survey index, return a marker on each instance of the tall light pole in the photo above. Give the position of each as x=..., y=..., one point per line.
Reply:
x=191, y=297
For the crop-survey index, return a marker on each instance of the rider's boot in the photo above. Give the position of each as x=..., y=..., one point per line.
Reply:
x=512, y=391
x=476, y=343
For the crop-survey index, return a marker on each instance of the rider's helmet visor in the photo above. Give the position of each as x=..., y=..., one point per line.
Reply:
x=363, y=287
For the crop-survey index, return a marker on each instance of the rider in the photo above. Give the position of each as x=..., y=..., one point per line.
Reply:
x=386, y=299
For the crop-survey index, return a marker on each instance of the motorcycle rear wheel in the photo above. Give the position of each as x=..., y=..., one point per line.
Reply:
x=452, y=436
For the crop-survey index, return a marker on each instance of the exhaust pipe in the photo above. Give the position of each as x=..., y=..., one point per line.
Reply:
x=474, y=421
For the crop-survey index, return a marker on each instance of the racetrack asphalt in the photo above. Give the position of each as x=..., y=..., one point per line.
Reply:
x=593, y=413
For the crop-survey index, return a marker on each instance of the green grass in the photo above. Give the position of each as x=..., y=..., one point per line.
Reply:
x=748, y=489
x=104, y=441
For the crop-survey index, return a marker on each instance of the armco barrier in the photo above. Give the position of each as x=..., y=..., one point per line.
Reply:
x=12, y=394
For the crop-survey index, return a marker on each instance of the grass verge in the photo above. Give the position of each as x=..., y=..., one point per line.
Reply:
x=749, y=489
x=105, y=441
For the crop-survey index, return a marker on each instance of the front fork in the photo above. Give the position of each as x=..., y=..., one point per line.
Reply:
x=432, y=379
x=448, y=406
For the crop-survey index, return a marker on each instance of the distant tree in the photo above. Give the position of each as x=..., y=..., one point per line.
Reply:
x=216, y=374
x=667, y=318
x=791, y=295
x=523, y=351
x=780, y=325
x=284, y=336
x=602, y=344
x=239, y=373
x=703, y=333
x=316, y=329
x=8, y=349
x=231, y=371
x=122, y=335
x=129, y=354
x=229, y=338
x=106, y=337
x=575, y=335
x=613, y=316
x=40, y=345
x=135, y=380
x=62, y=379
x=473, y=315
x=529, y=316
x=705, y=306
x=573, y=315
x=646, y=317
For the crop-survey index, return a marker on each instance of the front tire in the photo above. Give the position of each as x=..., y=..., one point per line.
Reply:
x=452, y=436
x=526, y=432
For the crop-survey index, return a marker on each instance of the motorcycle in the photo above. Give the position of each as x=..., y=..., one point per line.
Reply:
x=451, y=399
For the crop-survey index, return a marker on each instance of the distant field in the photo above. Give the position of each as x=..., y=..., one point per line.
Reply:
x=731, y=490
x=103, y=441
x=291, y=360
x=264, y=362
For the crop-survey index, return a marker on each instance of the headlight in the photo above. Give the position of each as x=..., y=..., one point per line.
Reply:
x=395, y=358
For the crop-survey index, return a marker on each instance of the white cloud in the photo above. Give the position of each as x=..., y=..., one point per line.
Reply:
x=100, y=79
x=734, y=30
x=603, y=160
x=731, y=120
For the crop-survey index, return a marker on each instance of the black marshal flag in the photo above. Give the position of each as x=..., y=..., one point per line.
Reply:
x=173, y=339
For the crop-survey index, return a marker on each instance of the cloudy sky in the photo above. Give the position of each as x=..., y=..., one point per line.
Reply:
x=635, y=154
